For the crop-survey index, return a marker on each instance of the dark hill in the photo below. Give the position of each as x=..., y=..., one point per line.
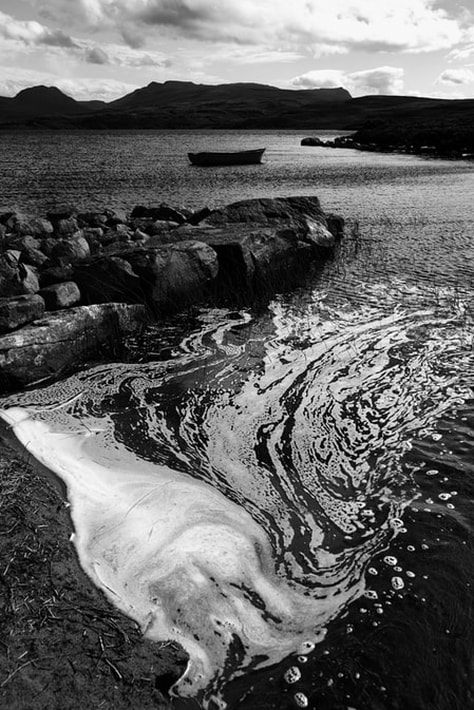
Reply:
x=39, y=101
x=381, y=121
x=176, y=104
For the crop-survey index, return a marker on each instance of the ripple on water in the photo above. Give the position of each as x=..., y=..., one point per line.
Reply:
x=233, y=497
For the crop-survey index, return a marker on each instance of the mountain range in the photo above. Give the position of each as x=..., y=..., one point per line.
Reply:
x=181, y=104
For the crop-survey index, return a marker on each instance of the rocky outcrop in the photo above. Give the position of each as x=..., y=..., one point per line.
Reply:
x=175, y=274
x=18, y=311
x=312, y=141
x=63, y=339
x=160, y=258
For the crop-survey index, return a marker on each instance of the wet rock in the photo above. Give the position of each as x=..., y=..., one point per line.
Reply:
x=199, y=215
x=175, y=274
x=313, y=141
x=23, y=242
x=319, y=235
x=109, y=278
x=20, y=310
x=64, y=339
x=162, y=212
x=335, y=225
x=60, y=295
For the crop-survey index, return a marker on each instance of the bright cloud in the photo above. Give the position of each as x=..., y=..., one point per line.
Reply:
x=382, y=80
x=32, y=32
x=456, y=77
x=404, y=25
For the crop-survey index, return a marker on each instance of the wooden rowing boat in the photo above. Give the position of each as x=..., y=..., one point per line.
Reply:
x=241, y=157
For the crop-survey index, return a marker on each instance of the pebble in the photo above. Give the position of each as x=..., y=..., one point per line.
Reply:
x=397, y=583
x=292, y=675
x=301, y=700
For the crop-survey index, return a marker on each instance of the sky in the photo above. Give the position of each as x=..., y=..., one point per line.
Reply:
x=103, y=49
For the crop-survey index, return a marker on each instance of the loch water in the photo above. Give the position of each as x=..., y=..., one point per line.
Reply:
x=339, y=417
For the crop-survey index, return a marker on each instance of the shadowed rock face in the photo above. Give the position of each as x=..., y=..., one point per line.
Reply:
x=18, y=311
x=160, y=257
x=59, y=339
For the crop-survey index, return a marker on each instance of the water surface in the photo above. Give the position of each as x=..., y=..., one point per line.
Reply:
x=288, y=491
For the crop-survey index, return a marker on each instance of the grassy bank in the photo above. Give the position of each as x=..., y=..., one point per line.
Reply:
x=62, y=645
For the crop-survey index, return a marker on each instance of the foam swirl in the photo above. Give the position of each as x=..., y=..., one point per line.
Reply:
x=231, y=497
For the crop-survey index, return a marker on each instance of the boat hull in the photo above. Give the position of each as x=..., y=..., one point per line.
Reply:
x=242, y=157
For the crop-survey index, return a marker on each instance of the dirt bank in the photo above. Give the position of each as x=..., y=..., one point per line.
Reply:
x=62, y=646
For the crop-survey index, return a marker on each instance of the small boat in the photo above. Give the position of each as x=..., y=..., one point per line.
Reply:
x=241, y=157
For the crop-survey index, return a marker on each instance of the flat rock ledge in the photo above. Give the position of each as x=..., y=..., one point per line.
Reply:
x=74, y=284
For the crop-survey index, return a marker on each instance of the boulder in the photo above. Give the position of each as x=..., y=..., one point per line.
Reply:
x=66, y=227
x=94, y=237
x=32, y=226
x=60, y=295
x=62, y=340
x=47, y=245
x=6, y=216
x=314, y=141
x=319, y=236
x=23, y=242
x=33, y=257
x=74, y=249
x=162, y=212
x=16, y=278
x=255, y=260
x=19, y=310
x=109, y=278
x=92, y=219
x=174, y=274
x=153, y=227
x=115, y=216
x=64, y=211
x=277, y=212
x=199, y=215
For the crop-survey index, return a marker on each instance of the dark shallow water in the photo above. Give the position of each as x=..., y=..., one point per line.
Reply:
x=341, y=416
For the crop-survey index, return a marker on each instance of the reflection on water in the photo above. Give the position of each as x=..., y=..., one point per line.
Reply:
x=234, y=497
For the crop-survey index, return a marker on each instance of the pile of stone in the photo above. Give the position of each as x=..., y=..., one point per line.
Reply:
x=74, y=282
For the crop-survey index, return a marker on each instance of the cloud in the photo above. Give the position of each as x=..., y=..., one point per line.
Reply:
x=318, y=26
x=96, y=55
x=120, y=55
x=455, y=77
x=132, y=37
x=30, y=32
x=381, y=80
